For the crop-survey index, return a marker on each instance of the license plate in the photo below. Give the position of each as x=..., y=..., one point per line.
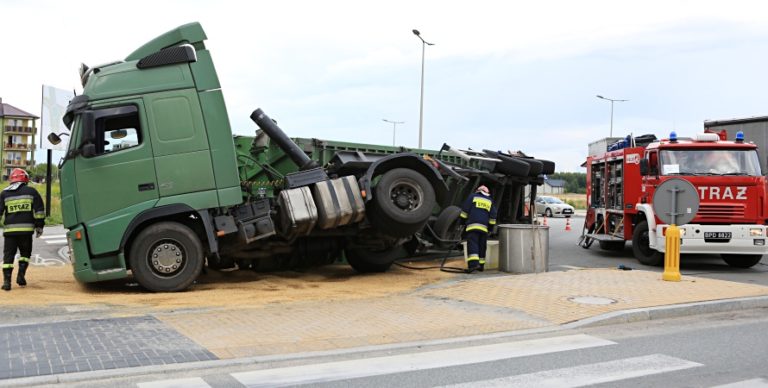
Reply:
x=718, y=235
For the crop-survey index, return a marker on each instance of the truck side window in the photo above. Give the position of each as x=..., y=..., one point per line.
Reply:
x=653, y=163
x=115, y=133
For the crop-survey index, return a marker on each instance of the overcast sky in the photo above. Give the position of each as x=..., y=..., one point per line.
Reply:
x=502, y=75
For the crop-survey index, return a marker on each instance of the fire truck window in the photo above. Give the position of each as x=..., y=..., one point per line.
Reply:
x=653, y=163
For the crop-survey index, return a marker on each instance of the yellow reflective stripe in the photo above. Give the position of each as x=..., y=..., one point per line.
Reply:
x=492, y=221
x=463, y=215
x=477, y=227
x=6, y=266
x=39, y=215
x=23, y=259
x=482, y=203
x=473, y=258
x=19, y=205
x=22, y=229
x=482, y=261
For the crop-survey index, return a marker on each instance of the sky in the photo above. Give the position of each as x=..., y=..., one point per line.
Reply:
x=502, y=75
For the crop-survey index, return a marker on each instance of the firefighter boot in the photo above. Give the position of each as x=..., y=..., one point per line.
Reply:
x=7, y=272
x=22, y=271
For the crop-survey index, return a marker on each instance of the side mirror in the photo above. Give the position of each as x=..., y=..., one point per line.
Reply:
x=88, y=121
x=54, y=138
x=644, y=166
x=89, y=150
x=118, y=134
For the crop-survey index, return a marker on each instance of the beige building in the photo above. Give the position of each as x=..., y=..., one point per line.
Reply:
x=18, y=129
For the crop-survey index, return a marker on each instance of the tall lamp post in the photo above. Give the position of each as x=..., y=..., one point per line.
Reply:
x=612, y=101
x=424, y=44
x=394, y=127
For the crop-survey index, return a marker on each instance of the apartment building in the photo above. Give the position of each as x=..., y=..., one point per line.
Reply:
x=17, y=130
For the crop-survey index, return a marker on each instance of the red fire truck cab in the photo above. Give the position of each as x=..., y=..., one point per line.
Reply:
x=732, y=190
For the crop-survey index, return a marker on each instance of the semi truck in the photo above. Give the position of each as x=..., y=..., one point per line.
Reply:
x=622, y=177
x=155, y=185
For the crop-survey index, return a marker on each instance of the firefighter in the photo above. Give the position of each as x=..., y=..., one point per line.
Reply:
x=24, y=215
x=478, y=213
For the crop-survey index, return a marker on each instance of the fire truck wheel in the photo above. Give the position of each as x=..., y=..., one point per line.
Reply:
x=367, y=261
x=403, y=202
x=612, y=245
x=166, y=257
x=641, y=247
x=742, y=261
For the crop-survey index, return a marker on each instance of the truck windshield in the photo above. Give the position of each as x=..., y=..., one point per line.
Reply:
x=709, y=162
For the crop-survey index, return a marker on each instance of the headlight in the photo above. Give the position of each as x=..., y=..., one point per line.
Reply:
x=756, y=232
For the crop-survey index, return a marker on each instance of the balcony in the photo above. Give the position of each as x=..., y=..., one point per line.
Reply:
x=17, y=163
x=19, y=129
x=18, y=147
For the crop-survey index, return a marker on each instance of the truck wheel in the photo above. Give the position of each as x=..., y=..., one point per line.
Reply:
x=166, y=257
x=612, y=245
x=448, y=224
x=742, y=261
x=367, y=261
x=403, y=202
x=641, y=247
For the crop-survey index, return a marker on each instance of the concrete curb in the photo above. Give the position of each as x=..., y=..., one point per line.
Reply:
x=617, y=317
x=671, y=311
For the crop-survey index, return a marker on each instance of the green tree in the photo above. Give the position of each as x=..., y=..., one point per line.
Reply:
x=38, y=172
x=575, y=182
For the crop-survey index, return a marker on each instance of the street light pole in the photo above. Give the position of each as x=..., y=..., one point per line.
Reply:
x=424, y=44
x=612, y=101
x=394, y=127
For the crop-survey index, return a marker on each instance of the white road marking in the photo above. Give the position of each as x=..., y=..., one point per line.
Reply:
x=192, y=382
x=754, y=383
x=64, y=241
x=590, y=374
x=47, y=237
x=333, y=371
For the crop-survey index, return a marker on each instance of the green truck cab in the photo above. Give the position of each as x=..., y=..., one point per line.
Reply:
x=153, y=181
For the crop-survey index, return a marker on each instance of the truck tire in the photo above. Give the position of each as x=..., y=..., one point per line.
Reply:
x=368, y=261
x=641, y=247
x=448, y=224
x=741, y=261
x=403, y=202
x=166, y=257
x=615, y=246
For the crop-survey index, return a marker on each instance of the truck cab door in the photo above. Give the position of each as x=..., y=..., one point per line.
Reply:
x=115, y=173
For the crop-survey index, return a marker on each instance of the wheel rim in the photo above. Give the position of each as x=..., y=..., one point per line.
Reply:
x=406, y=195
x=167, y=258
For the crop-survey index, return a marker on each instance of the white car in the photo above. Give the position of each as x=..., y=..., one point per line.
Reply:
x=551, y=206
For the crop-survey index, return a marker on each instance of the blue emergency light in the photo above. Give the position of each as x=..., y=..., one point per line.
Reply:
x=673, y=137
x=740, y=137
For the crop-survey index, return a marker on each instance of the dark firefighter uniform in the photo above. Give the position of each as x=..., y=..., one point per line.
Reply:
x=24, y=214
x=478, y=213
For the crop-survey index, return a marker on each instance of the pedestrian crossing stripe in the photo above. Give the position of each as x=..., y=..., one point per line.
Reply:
x=341, y=370
x=192, y=382
x=590, y=374
x=64, y=236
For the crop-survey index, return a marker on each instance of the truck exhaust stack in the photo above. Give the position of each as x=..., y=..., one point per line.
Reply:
x=275, y=133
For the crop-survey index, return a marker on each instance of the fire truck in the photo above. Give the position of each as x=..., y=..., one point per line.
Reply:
x=623, y=174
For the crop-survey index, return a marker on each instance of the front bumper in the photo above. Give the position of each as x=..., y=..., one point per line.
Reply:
x=87, y=269
x=742, y=241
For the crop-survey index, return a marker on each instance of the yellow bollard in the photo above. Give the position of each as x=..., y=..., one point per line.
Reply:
x=672, y=255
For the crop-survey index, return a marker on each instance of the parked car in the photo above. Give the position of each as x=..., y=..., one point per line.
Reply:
x=551, y=206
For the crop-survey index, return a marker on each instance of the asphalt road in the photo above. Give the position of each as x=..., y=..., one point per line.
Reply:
x=703, y=351
x=564, y=254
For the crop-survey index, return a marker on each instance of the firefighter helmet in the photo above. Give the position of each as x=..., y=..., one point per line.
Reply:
x=18, y=175
x=484, y=191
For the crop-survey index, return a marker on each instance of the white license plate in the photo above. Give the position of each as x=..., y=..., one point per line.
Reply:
x=718, y=235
